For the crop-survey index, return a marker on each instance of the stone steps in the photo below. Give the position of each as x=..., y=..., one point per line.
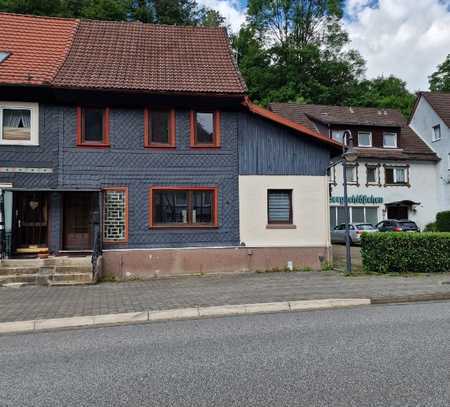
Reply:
x=52, y=271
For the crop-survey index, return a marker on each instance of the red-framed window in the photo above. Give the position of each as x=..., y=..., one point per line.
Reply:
x=115, y=215
x=205, y=128
x=184, y=206
x=159, y=128
x=93, y=126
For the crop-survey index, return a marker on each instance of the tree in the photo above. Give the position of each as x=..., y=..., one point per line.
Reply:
x=179, y=12
x=304, y=50
x=106, y=9
x=389, y=92
x=211, y=18
x=36, y=7
x=440, y=80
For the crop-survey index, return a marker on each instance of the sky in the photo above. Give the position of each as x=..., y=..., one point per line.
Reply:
x=406, y=38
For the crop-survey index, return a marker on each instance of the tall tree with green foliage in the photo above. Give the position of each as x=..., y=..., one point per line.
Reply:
x=179, y=12
x=304, y=50
x=387, y=92
x=440, y=80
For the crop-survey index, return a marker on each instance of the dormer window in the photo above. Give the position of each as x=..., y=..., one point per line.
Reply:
x=390, y=140
x=364, y=139
x=4, y=55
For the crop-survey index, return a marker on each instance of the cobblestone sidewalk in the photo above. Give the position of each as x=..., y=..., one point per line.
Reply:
x=37, y=302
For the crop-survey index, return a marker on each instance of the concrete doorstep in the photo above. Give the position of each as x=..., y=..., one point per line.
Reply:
x=178, y=314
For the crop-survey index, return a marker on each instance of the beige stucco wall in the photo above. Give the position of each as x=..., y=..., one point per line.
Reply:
x=310, y=211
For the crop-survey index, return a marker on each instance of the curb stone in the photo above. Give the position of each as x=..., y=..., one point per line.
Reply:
x=177, y=314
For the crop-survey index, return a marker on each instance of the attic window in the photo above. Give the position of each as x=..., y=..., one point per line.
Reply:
x=4, y=55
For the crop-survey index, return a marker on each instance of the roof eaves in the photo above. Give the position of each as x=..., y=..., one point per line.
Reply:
x=260, y=111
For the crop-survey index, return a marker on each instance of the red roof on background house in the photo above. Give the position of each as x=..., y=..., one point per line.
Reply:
x=152, y=58
x=412, y=146
x=37, y=45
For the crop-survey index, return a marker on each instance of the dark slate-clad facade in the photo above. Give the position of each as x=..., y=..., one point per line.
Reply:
x=96, y=156
x=128, y=164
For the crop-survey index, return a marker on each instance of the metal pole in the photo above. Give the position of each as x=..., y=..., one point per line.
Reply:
x=347, y=219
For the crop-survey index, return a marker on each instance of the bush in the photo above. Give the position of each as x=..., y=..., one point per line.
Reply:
x=443, y=221
x=431, y=227
x=405, y=252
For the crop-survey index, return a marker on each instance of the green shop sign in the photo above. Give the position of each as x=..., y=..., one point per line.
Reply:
x=357, y=199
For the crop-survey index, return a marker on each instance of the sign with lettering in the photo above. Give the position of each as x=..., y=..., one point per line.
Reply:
x=357, y=199
x=27, y=170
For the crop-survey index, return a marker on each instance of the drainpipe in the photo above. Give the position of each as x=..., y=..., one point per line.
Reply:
x=2, y=225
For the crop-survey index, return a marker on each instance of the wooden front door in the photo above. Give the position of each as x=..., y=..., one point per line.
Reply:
x=30, y=222
x=78, y=207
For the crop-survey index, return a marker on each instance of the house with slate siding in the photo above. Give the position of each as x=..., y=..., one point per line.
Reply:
x=138, y=141
x=395, y=175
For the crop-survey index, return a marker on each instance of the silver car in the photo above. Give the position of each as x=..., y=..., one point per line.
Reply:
x=356, y=230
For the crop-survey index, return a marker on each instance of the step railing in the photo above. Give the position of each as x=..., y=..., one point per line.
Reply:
x=96, y=250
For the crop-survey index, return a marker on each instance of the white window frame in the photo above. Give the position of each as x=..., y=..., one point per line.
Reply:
x=395, y=137
x=405, y=175
x=433, y=134
x=354, y=168
x=396, y=168
x=370, y=138
x=34, y=126
x=377, y=174
x=341, y=135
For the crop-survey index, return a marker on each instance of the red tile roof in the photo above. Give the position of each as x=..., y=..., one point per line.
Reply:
x=276, y=118
x=38, y=47
x=149, y=57
x=413, y=147
x=361, y=116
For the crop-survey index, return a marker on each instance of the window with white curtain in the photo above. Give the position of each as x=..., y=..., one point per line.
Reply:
x=19, y=123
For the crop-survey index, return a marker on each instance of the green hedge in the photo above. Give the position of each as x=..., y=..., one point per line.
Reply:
x=443, y=221
x=405, y=252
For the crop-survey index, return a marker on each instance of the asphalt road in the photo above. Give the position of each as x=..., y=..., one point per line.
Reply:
x=372, y=356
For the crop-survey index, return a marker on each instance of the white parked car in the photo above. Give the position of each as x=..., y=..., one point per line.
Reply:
x=356, y=230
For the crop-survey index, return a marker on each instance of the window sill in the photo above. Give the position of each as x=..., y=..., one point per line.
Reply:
x=203, y=146
x=94, y=145
x=397, y=185
x=183, y=226
x=161, y=146
x=18, y=143
x=280, y=226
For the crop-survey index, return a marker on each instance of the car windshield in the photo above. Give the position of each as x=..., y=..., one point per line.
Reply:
x=365, y=226
x=408, y=225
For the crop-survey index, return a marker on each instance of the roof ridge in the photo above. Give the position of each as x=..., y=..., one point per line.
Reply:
x=137, y=22
x=199, y=27
x=38, y=16
x=334, y=106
